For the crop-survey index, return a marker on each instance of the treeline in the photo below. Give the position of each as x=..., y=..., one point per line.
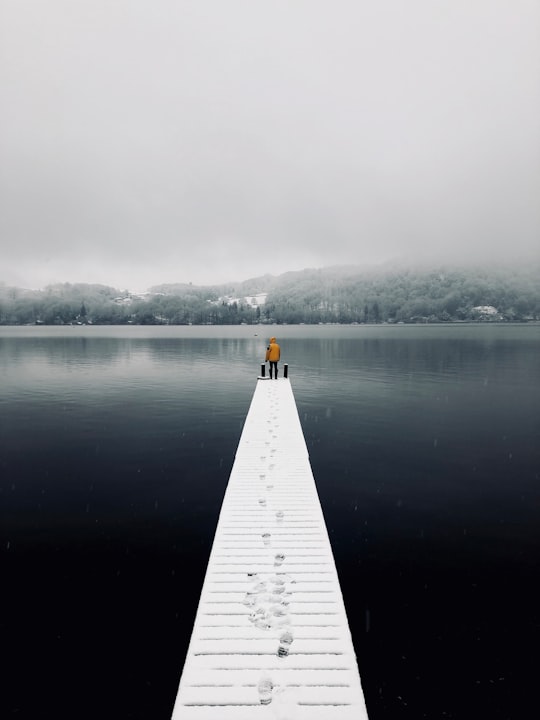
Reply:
x=81, y=303
x=408, y=295
x=332, y=295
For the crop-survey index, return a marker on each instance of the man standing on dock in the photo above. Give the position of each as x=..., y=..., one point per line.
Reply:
x=273, y=353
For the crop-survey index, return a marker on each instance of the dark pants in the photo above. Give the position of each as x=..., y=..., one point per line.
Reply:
x=273, y=363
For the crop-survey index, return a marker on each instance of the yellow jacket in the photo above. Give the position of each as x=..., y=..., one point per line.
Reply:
x=273, y=351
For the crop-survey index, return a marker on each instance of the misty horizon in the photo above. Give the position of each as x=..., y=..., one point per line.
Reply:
x=489, y=267
x=173, y=142
x=394, y=265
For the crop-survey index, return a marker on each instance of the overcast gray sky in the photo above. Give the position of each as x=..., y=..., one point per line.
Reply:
x=214, y=140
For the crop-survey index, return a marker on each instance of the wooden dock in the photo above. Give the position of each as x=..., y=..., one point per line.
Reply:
x=271, y=637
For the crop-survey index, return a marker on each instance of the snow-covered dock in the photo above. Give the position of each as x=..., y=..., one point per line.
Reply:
x=271, y=637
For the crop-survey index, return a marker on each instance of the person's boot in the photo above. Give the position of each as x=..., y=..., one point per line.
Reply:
x=270, y=373
x=276, y=373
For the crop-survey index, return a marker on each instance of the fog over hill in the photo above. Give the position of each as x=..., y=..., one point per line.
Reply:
x=389, y=293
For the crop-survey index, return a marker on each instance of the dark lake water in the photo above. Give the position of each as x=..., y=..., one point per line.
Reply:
x=115, y=449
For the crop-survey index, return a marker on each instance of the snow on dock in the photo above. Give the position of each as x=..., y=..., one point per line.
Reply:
x=271, y=637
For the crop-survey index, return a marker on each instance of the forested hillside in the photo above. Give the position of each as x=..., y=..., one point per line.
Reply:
x=407, y=295
x=331, y=295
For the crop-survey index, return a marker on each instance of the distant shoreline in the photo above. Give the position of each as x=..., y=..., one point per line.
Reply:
x=341, y=296
x=278, y=323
